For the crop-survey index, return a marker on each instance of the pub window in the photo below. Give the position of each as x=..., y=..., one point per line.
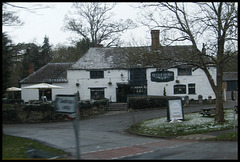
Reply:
x=184, y=71
x=138, y=76
x=138, y=90
x=179, y=89
x=97, y=93
x=191, y=89
x=96, y=74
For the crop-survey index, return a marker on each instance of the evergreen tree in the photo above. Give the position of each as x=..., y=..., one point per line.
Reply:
x=46, y=52
x=31, y=56
x=6, y=61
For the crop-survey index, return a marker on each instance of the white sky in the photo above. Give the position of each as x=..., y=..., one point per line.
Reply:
x=50, y=22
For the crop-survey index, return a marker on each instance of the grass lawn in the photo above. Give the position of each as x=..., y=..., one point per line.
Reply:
x=193, y=123
x=231, y=136
x=16, y=147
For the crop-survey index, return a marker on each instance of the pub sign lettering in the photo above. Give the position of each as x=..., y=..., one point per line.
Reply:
x=162, y=76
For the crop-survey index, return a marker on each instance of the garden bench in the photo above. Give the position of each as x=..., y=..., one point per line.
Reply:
x=208, y=111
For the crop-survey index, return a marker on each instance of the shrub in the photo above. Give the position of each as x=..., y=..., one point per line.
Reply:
x=13, y=113
x=10, y=112
x=88, y=104
x=148, y=102
x=93, y=108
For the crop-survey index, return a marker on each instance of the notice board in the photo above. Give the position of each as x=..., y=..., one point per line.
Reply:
x=175, y=110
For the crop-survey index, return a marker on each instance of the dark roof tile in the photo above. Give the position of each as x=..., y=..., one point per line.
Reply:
x=50, y=73
x=129, y=57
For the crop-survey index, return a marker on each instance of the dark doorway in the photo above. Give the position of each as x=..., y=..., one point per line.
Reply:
x=47, y=93
x=122, y=92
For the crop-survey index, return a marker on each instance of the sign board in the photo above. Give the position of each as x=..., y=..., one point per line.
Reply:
x=175, y=111
x=66, y=103
x=162, y=76
x=234, y=95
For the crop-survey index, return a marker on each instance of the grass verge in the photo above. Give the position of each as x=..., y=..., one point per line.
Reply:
x=17, y=147
x=231, y=136
x=194, y=123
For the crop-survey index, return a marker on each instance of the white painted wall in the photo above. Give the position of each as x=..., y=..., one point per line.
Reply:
x=198, y=77
x=85, y=83
x=33, y=94
x=154, y=88
x=29, y=94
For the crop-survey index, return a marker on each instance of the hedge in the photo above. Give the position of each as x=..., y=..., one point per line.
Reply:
x=148, y=102
x=22, y=113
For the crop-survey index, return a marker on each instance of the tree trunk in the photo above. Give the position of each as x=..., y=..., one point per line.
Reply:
x=219, y=117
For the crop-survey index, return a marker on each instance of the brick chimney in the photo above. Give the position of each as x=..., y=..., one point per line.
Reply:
x=30, y=69
x=155, y=39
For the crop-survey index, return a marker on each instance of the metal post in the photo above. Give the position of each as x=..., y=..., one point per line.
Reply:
x=76, y=127
x=234, y=111
x=234, y=97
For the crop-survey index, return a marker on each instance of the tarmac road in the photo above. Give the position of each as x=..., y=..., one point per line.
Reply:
x=105, y=137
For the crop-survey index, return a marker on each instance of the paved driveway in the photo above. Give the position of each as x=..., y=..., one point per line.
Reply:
x=103, y=137
x=102, y=132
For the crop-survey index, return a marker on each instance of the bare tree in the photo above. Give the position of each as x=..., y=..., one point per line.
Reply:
x=215, y=23
x=94, y=22
x=10, y=18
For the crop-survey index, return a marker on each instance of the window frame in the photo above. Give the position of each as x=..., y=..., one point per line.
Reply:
x=184, y=71
x=138, y=90
x=99, y=91
x=178, y=91
x=97, y=74
x=193, y=89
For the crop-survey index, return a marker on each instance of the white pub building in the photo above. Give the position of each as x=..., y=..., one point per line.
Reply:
x=118, y=72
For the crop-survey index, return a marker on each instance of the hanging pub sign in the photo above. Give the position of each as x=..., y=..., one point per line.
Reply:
x=162, y=76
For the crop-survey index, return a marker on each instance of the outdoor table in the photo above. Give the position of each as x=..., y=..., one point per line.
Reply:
x=208, y=111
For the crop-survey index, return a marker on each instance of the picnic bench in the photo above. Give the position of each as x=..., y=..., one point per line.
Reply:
x=208, y=111
x=236, y=109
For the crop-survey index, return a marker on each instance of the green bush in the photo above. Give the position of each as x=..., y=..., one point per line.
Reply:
x=12, y=101
x=10, y=112
x=148, y=102
x=13, y=113
x=88, y=104
x=89, y=109
x=38, y=107
x=10, y=115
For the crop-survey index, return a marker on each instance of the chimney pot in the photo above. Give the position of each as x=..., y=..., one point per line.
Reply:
x=155, y=39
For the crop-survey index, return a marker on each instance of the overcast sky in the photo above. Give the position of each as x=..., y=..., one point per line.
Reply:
x=50, y=22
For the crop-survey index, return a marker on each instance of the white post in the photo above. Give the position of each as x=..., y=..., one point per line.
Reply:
x=76, y=128
x=225, y=94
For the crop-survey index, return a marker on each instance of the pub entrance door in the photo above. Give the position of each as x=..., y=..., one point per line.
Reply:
x=122, y=92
